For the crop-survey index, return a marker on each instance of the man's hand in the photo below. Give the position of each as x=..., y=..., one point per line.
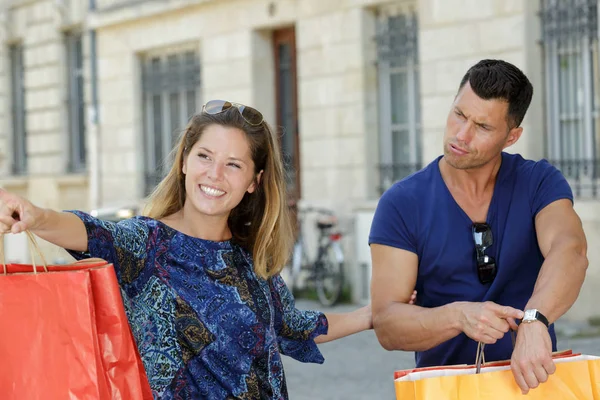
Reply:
x=531, y=361
x=487, y=322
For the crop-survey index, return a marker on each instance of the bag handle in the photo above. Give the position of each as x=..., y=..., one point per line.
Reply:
x=33, y=246
x=480, y=357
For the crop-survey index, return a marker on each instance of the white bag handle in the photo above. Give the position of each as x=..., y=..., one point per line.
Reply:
x=33, y=246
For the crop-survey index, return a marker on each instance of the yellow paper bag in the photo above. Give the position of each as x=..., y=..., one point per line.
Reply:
x=577, y=377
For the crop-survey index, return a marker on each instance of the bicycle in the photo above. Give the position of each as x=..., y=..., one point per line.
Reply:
x=326, y=271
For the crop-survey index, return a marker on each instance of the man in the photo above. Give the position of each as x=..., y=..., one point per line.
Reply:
x=486, y=238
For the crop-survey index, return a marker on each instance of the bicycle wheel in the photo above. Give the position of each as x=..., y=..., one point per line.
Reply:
x=329, y=275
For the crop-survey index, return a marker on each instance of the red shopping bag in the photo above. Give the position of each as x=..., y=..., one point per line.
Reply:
x=64, y=335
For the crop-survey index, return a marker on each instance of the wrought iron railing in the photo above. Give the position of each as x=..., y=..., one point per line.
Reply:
x=391, y=173
x=582, y=175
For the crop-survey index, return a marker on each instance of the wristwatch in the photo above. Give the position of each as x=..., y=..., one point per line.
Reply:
x=534, y=315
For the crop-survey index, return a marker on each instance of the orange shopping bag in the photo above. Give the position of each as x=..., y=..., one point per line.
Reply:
x=64, y=335
x=577, y=377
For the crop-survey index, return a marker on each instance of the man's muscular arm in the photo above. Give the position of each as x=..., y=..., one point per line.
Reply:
x=400, y=326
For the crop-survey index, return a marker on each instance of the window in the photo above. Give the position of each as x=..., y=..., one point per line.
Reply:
x=19, y=139
x=170, y=86
x=75, y=103
x=399, y=99
x=284, y=42
x=570, y=44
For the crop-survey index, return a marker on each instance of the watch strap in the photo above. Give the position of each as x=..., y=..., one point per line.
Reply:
x=539, y=317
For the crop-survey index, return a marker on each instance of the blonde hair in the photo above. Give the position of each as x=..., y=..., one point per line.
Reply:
x=261, y=221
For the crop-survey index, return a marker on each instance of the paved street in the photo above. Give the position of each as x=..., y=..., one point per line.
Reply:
x=358, y=368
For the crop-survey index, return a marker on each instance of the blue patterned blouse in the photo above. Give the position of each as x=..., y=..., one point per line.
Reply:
x=207, y=327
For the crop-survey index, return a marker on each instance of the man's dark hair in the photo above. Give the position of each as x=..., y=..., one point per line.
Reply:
x=497, y=79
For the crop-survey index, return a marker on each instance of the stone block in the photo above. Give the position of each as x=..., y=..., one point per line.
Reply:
x=127, y=138
x=502, y=34
x=43, y=76
x=225, y=47
x=45, y=54
x=432, y=140
x=121, y=90
x=214, y=49
x=331, y=90
x=434, y=111
x=337, y=185
x=117, y=42
x=518, y=57
x=44, y=121
x=115, y=67
x=242, y=95
x=308, y=8
x=449, y=42
x=353, y=120
x=332, y=152
x=341, y=26
x=118, y=113
x=316, y=122
x=18, y=19
x=330, y=58
x=123, y=188
x=42, y=99
x=428, y=78
x=42, y=11
x=53, y=142
x=315, y=184
x=316, y=153
x=448, y=12
x=447, y=74
x=3, y=65
x=46, y=164
x=332, y=121
x=41, y=33
x=509, y=7
x=233, y=73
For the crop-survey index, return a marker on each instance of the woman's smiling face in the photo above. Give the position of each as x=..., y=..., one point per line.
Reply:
x=218, y=171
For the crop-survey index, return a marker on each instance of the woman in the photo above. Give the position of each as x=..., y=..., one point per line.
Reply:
x=199, y=273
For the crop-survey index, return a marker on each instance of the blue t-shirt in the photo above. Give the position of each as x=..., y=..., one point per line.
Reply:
x=418, y=214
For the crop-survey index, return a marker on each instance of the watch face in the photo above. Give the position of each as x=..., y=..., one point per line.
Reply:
x=529, y=315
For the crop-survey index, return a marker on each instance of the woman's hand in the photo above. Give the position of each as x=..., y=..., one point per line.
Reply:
x=17, y=214
x=413, y=297
x=62, y=229
x=341, y=325
x=366, y=310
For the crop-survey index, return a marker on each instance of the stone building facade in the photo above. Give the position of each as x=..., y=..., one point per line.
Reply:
x=94, y=92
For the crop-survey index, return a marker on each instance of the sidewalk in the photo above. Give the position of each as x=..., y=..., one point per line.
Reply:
x=576, y=329
x=357, y=367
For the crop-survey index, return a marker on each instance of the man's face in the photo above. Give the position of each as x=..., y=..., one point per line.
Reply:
x=476, y=130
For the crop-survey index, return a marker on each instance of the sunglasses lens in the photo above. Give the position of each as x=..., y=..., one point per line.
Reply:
x=486, y=266
x=251, y=115
x=216, y=106
x=486, y=271
x=482, y=234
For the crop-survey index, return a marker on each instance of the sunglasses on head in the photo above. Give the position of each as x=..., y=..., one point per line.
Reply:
x=486, y=265
x=251, y=115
